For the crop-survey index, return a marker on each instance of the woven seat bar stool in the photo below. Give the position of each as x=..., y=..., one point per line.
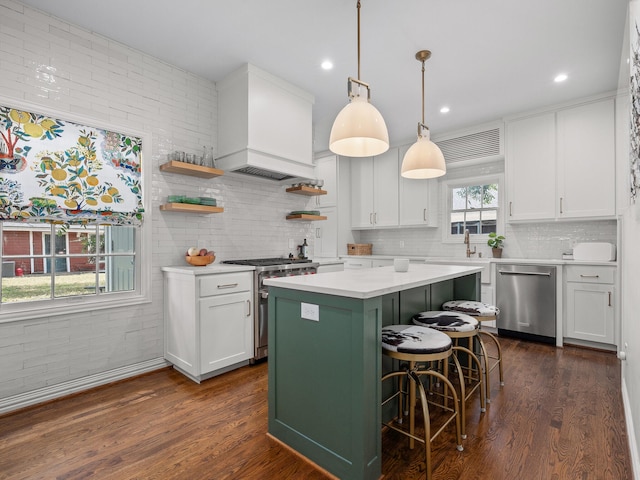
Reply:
x=413, y=345
x=456, y=326
x=483, y=312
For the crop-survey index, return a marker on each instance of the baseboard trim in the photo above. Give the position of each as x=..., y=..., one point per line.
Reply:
x=633, y=444
x=40, y=395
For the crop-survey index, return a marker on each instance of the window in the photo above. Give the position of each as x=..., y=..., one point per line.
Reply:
x=472, y=205
x=72, y=236
x=46, y=262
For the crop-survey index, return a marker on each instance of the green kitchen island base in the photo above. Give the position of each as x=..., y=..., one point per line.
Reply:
x=325, y=361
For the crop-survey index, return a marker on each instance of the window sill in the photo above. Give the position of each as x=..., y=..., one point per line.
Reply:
x=69, y=306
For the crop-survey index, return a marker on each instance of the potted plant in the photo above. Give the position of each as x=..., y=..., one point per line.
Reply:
x=495, y=242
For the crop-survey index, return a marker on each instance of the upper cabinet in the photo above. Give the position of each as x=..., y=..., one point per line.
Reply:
x=326, y=170
x=374, y=191
x=264, y=125
x=562, y=164
x=418, y=199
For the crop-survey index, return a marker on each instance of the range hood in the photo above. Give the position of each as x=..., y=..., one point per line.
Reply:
x=264, y=126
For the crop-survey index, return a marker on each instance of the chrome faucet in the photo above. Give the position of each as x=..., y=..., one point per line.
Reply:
x=468, y=243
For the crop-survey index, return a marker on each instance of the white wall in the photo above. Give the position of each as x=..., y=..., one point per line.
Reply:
x=630, y=278
x=49, y=62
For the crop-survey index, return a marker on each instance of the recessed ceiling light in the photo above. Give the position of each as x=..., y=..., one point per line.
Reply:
x=560, y=78
x=327, y=65
x=444, y=110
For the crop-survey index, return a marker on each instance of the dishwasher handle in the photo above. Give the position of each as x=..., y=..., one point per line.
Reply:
x=537, y=274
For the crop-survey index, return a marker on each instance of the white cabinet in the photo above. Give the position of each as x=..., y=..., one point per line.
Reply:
x=351, y=263
x=586, y=161
x=530, y=168
x=589, y=296
x=381, y=262
x=326, y=234
x=326, y=170
x=418, y=199
x=562, y=164
x=208, y=322
x=374, y=191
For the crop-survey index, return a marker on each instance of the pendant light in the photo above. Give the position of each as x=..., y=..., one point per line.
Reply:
x=424, y=158
x=359, y=129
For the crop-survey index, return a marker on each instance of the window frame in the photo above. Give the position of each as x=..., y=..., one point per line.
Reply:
x=10, y=312
x=447, y=187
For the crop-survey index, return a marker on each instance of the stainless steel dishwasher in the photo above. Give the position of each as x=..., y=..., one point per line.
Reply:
x=526, y=297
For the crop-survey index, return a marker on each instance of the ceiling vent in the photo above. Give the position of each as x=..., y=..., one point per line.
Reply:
x=484, y=145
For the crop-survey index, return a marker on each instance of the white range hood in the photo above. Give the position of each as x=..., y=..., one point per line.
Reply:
x=264, y=126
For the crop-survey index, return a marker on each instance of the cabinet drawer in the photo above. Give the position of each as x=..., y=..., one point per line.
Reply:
x=352, y=263
x=590, y=274
x=225, y=283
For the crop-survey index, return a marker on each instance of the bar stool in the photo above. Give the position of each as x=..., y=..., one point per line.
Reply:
x=414, y=344
x=483, y=312
x=456, y=326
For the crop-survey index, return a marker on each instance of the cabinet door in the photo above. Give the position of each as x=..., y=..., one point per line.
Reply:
x=361, y=192
x=326, y=241
x=226, y=331
x=590, y=314
x=385, y=190
x=586, y=160
x=326, y=170
x=530, y=168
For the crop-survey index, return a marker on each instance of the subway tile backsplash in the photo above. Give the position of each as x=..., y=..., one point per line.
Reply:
x=536, y=240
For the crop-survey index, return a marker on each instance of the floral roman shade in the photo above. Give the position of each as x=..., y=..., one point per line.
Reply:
x=58, y=171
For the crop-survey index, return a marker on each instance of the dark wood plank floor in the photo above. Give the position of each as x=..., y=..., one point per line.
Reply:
x=559, y=416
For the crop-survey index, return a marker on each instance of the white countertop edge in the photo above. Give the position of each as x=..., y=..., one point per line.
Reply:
x=208, y=269
x=369, y=283
x=482, y=260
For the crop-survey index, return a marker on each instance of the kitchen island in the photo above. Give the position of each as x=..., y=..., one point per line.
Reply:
x=325, y=360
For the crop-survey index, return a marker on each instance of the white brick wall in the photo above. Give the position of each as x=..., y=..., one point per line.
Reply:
x=49, y=62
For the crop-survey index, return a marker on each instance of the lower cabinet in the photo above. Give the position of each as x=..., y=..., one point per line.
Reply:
x=208, y=322
x=589, y=300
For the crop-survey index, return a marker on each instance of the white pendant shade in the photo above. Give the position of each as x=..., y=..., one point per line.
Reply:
x=424, y=159
x=359, y=130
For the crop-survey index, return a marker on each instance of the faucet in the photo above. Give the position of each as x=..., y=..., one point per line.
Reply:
x=468, y=243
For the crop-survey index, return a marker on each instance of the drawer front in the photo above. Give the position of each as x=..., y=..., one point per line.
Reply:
x=591, y=274
x=357, y=263
x=225, y=283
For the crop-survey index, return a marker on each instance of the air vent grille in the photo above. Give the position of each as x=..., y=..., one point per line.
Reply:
x=471, y=147
x=258, y=172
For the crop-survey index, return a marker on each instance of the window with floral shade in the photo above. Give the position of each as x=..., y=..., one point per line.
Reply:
x=71, y=211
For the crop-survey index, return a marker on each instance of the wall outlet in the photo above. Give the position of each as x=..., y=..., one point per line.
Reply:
x=310, y=311
x=401, y=243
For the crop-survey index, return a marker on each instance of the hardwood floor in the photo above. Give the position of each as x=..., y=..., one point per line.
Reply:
x=559, y=416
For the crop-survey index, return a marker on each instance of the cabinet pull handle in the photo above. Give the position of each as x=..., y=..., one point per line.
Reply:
x=589, y=276
x=228, y=285
x=561, y=205
x=375, y=218
x=248, y=308
x=609, y=298
x=510, y=209
x=424, y=214
x=371, y=218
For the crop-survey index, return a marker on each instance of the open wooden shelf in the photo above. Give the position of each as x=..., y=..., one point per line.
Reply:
x=174, y=166
x=305, y=217
x=304, y=190
x=190, y=208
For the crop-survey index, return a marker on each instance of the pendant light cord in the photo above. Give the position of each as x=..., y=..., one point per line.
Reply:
x=423, y=92
x=358, y=7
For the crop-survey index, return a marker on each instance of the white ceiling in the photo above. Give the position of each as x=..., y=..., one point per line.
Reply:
x=490, y=57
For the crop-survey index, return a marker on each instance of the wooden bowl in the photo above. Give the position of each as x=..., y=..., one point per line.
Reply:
x=200, y=260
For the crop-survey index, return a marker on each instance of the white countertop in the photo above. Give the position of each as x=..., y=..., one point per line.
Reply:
x=369, y=283
x=208, y=269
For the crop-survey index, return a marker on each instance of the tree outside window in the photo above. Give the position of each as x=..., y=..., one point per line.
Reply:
x=474, y=208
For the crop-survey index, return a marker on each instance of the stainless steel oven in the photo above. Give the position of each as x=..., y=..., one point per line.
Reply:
x=269, y=268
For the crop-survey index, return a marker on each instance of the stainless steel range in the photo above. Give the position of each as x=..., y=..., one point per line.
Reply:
x=269, y=268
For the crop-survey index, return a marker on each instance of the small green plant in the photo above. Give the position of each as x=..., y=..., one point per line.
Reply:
x=495, y=240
